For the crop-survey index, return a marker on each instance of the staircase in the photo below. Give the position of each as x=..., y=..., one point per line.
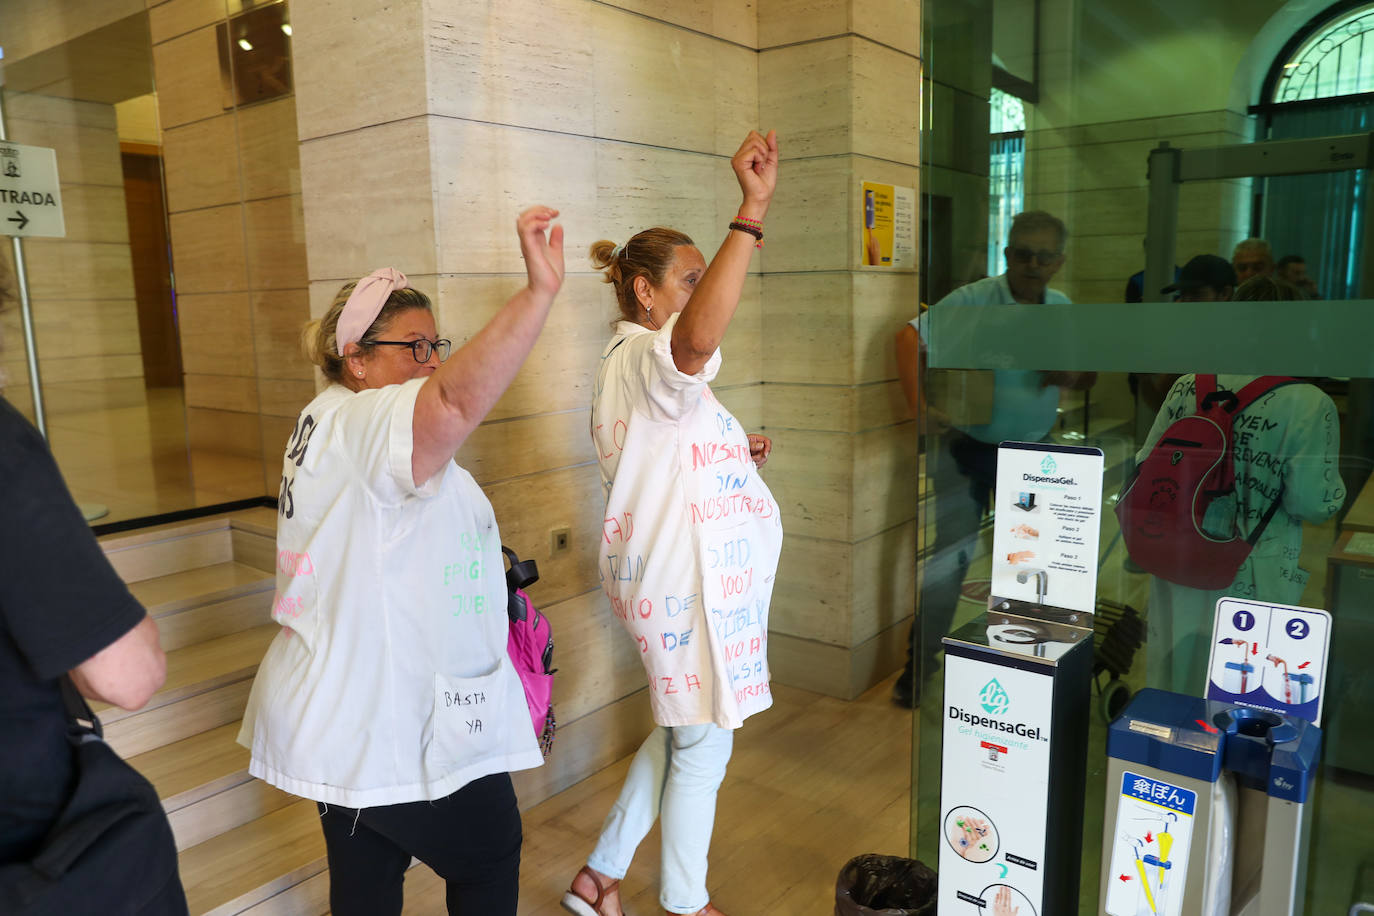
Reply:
x=245, y=847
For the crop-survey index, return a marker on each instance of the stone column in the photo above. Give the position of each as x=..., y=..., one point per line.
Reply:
x=840, y=81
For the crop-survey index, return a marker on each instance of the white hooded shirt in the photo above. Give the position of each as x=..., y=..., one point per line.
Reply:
x=691, y=537
x=390, y=680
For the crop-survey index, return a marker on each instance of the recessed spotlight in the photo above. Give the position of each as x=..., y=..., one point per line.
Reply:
x=286, y=27
x=245, y=44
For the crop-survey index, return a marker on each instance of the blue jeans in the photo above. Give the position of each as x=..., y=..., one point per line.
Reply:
x=675, y=776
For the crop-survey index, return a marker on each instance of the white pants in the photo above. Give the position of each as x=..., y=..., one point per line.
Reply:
x=675, y=776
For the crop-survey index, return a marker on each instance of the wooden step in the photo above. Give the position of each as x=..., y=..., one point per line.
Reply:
x=207, y=686
x=267, y=861
x=152, y=552
x=208, y=602
x=204, y=785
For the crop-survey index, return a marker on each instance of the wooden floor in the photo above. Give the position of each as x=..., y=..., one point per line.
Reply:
x=813, y=782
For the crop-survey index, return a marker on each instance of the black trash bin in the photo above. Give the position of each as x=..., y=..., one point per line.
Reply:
x=874, y=885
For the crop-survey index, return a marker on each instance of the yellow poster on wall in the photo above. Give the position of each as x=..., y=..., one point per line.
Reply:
x=888, y=227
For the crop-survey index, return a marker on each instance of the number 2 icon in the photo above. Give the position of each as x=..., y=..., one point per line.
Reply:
x=1297, y=628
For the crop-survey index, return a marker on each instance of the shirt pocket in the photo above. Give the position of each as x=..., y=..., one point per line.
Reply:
x=471, y=718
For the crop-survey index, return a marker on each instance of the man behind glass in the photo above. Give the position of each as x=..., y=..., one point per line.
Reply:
x=962, y=462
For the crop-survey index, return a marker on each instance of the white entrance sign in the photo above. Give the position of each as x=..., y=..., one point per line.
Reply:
x=30, y=199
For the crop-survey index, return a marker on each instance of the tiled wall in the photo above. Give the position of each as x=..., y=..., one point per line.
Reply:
x=238, y=252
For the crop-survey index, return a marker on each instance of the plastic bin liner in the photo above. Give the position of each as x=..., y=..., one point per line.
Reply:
x=874, y=885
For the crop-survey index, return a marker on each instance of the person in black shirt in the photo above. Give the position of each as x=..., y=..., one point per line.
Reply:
x=63, y=610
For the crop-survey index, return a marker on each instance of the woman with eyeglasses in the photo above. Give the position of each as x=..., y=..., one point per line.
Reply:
x=388, y=696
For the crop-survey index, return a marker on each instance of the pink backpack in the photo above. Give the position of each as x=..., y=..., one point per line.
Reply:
x=1162, y=506
x=530, y=646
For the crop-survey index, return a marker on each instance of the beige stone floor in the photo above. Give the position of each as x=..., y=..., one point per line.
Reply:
x=135, y=459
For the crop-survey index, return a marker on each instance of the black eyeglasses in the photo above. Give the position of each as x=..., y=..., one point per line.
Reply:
x=420, y=349
x=1042, y=257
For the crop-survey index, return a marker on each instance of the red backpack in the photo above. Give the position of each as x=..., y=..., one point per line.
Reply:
x=1163, y=504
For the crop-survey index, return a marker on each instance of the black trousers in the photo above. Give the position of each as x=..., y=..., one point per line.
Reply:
x=471, y=839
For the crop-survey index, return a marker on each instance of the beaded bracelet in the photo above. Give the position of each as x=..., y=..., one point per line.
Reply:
x=755, y=230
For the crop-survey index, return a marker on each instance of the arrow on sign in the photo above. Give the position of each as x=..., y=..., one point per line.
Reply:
x=1304, y=664
x=21, y=219
x=1207, y=727
x=1149, y=838
x=1124, y=877
x=1004, y=870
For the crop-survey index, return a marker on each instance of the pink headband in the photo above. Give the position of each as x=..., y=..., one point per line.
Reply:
x=365, y=304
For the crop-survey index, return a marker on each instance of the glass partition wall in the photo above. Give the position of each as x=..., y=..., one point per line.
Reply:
x=161, y=376
x=1056, y=106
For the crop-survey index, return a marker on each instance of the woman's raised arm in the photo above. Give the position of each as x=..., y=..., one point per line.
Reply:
x=462, y=390
x=707, y=315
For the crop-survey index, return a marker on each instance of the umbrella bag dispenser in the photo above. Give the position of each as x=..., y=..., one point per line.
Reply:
x=1207, y=809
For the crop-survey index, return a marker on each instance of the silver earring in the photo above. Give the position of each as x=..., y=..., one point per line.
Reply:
x=360, y=375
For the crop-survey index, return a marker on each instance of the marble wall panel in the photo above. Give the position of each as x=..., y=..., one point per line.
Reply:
x=484, y=175
x=199, y=166
x=357, y=64
x=216, y=435
x=783, y=22
x=811, y=476
x=94, y=213
x=31, y=26
x=743, y=346
x=881, y=303
x=797, y=239
x=895, y=23
x=638, y=187
x=474, y=51
x=884, y=571
x=558, y=374
x=222, y=392
x=368, y=210
x=79, y=328
x=208, y=250
x=880, y=404
x=177, y=17
x=805, y=94
x=808, y=323
x=813, y=590
x=725, y=19
x=86, y=154
x=284, y=397
x=885, y=96
x=640, y=64
x=268, y=151
x=58, y=269
x=278, y=316
x=275, y=243
x=828, y=408
x=502, y=449
x=188, y=79
x=528, y=508
x=216, y=333
x=884, y=480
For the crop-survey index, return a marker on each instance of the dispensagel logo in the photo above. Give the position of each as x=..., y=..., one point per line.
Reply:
x=994, y=699
x=1048, y=466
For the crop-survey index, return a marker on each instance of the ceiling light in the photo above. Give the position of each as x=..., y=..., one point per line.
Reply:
x=286, y=27
x=245, y=44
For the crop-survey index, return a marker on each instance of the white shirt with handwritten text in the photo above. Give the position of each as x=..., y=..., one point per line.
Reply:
x=390, y=680
x=690, y=541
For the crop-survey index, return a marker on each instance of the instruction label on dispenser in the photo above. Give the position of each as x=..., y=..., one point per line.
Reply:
x=1270, y=656
x=1154, y=829
x=994, y=787
x=1047, y=519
